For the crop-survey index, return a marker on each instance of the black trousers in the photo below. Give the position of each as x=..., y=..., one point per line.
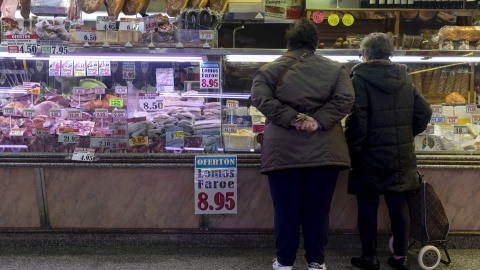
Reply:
x=367, y=222
x=302, y=198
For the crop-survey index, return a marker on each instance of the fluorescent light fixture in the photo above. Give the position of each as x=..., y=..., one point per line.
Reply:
x=153, y=58
x=219, y=95
x=418, y=59
x=342, y=58
x=251, y=58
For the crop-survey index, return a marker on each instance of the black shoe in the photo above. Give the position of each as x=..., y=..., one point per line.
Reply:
x=364, y=263
x=400, y=264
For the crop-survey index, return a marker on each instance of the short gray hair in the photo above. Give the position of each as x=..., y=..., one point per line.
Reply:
x=377, y=46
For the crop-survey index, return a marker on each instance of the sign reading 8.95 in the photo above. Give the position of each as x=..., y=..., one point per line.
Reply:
x=215, y=184
x=210, y=76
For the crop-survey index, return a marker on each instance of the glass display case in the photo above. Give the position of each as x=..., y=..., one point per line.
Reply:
x=180, y=100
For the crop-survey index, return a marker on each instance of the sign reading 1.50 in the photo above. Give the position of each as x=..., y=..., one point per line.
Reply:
x=210, y=76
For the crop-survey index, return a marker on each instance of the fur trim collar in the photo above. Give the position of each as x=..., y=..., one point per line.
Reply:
x=375, y=62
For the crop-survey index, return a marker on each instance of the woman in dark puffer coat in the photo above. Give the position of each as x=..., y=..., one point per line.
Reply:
x=388, y=113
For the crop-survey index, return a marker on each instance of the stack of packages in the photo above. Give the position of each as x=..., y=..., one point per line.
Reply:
x=210, y=119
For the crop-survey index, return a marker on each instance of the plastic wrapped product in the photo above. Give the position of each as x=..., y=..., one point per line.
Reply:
x=417, y=79
x=426, y=81
x=433, y=87
x=442, y=83
x=465, y=83
x=8, y=8
x=458, y=80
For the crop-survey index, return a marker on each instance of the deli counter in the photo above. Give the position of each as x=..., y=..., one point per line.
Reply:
x=106, y=138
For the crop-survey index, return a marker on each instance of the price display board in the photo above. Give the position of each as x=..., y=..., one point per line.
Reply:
x=452, y=120
x=437, y=119
x=22, y=43
x=54, y=46
x=100, y=140
x=106, y=23
x=128, y=71
x=80, y=68
x=215, y=184
x=67, y=68
x=436, y=109
x=32, y=87
x=88, y=34
x=460, y=130
x=83, y=154
x=151, y=23
x=29, y=112
x=471, y=108
x=210, y=76
x=104, y=68
x=475, y=118
x=68, y=137
x=54, y=67
x=206, y=34
x=92, y=68
x=150, y=101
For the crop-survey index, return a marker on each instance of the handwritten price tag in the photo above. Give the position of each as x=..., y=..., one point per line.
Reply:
x=100, y=113
x=452, y=120
x=7, y=111
x=317, y=17
x=348, y=19
x=151, y=23
x=29, y=113
x=75, y=114
x=83, y=154
x=116, y=102
x=436, y=109
x=333, y=20
x=229, y=128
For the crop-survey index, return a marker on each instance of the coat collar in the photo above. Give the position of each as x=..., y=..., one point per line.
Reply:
x=375, y=62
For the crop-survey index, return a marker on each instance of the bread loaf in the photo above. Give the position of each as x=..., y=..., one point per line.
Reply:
x=132, y=7
x=465, y=82
x=433, y=87
x=454, y=97
x=450, y=82
x=114, y=7
x=91, y=6
x=426, y=81
x=443, y=82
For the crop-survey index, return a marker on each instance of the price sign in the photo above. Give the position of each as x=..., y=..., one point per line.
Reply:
x=119, y=144
x=348, y=19
x=80, y=69
x=54, y=67
x=115, y=102
x=452, y=120
x=7, y=111
x=83, y=154
x=75, y=114
x=100, y=140
x=333, y=20
x=119, y=114
x=179, y=135
x=78, y=90
x=437, y=119
x=42, y=132
x=215, y=185
x=127, y=24
x=99, y=90
x=317, y=17
x=121, y=90
x=100, y=113
x=206, y=34
x=118, y=132
x=88, y=34
x=471, y=108
x=67, y=68
x=128, y=71
x=460, y=130
x=229, y=128
x=104, y=68
x=54, y=113
x=32, y=87
x=54, y=47
x=92, y=68
x=210, y=75
x=150, y=101
x=17, y=132
x=68, y=137
x=22, y=43
x=475, y=118
x=232, y=104
x=258, y=128
x=29, y=113
x=107, y=23
x=151, y=23
x=139, y=140
x=436, y=109
x=430, y=129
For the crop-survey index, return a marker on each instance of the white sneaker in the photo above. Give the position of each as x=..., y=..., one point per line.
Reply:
x=277, y=266
x=316, y=266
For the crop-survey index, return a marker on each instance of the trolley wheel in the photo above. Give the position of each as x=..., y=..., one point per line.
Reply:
x=390, y=244
x=429, y=257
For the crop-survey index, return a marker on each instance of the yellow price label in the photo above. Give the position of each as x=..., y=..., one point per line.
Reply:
x=116, y=102
x=333, y=20
x=348, y=19
x=178, y=134
x=140, y=140
x=35, y=91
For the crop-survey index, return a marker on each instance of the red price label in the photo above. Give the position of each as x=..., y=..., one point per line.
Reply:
x=210, y=83
x=221, y=201
x=317, y=17
x=460, y=130
x=17, y=131
x=232, y=104
x=121, y=90
x=258, y=128
x=118, y=132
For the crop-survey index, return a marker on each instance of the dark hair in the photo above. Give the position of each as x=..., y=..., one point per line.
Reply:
x=302, y=34
x=377, y=46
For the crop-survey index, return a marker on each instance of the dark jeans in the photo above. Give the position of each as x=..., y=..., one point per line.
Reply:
x=302, y=197
x=367, y=222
